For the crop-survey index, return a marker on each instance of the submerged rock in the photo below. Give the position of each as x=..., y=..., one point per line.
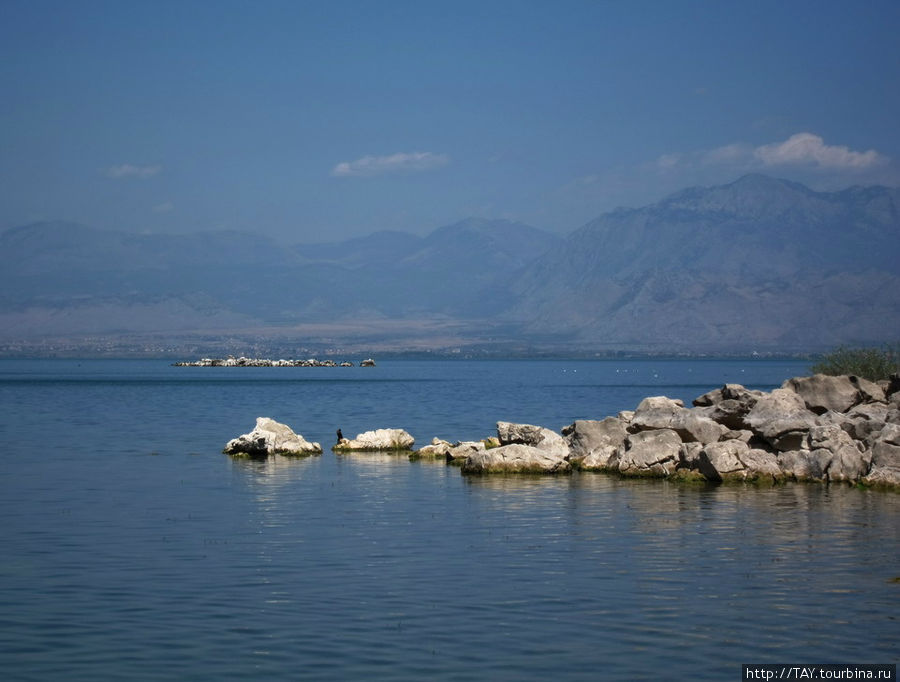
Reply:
x=380, y=439
x=271, y=438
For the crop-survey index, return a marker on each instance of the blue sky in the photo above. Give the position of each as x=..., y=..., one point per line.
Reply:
x=311, y=121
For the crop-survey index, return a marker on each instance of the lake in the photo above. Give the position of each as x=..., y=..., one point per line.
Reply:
x=133, y=549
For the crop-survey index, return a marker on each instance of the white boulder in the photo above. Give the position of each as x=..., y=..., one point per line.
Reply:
x=271, y=438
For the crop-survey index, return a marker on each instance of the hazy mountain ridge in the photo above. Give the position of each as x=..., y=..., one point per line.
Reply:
x=757, y=263
x=249, y=279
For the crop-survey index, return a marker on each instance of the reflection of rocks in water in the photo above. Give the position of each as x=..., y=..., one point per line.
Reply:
x=273, y=471
x=374, y=462
x=439, y=462
x=515, y=483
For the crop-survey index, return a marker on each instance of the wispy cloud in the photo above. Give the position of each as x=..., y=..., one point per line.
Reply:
x=667, y=161
x=370, y=166
x=809, y=149
x=127, y=170
x=727, y=154
x=165, y=207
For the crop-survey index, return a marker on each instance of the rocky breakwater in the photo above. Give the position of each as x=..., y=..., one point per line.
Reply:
x=382, y=440
x=271, y=438
x=818, y=428
x=232, y=361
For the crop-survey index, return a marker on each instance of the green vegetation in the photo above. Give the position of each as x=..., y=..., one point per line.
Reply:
x=869, y=363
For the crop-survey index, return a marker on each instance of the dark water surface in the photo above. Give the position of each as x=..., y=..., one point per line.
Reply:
x=133, y=549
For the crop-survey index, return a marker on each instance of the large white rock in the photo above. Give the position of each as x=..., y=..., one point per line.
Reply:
x=592, y=443
x=886, y=458
x=693, y=426
x=822, y=392
x=271, y=438
x=648, y=453
x=380, y=439
x=782, y=419
x=535, y=436
x=723, y=461
x=515, y=459
x=847, y=462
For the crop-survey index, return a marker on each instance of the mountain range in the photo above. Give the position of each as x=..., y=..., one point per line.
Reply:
x=758, y=264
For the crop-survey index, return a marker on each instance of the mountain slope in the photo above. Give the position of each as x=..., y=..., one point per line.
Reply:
x=67, y=278
x=756, y=263
x=759, y=264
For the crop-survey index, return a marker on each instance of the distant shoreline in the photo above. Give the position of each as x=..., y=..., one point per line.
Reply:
x=79, y=351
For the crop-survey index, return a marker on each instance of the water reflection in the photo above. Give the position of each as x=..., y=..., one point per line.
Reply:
x=274, y=471
x=668, y=570
x=378, y=457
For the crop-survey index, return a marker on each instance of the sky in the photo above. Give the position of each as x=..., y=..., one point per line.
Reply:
x=320, y=121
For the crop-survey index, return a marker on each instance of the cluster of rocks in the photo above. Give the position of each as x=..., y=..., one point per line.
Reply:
x=818, y=428
x=232, y=361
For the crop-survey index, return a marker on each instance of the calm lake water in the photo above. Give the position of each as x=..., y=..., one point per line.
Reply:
x=133, y=549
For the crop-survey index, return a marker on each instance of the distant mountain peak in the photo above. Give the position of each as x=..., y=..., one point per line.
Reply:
x=759, y=181
x=756, y=180
x=759, y=258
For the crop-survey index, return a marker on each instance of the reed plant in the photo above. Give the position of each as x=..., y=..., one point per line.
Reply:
x=869, y=363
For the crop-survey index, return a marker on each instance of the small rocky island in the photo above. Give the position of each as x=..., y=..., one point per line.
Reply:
x=819, y=428
x=232, y=361
x=271, y=438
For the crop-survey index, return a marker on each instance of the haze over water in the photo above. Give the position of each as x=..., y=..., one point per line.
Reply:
x=133, y=549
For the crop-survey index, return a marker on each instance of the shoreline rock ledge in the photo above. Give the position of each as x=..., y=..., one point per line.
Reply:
x=818, y=428
x=271, y=438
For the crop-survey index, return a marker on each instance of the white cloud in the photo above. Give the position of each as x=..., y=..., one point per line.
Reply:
x=811, y=150
x=127, y=170
x=369, y=166
x=802, y=151
x=165, y=207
